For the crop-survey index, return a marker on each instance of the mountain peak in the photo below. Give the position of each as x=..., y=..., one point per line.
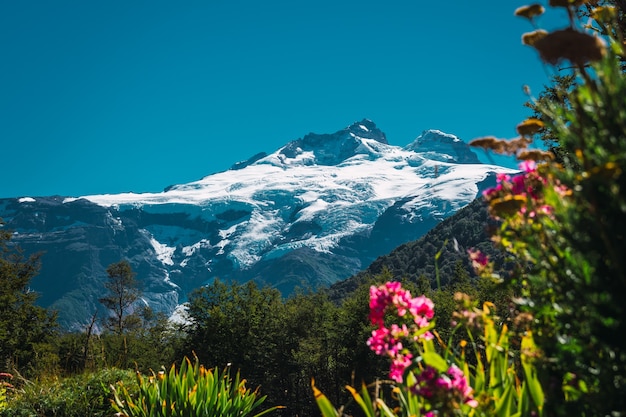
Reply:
x=367, y=129
x=332, y=149
x=443, y=147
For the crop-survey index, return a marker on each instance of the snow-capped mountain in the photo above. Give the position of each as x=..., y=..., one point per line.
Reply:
x=315, y=211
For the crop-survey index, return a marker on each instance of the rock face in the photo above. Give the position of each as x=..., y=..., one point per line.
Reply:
x=443, y=147
x=333, y=149
x=313, y=212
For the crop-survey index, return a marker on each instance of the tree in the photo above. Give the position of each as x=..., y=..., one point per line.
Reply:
x=123, y=293
x=25, y=328
x=244, y=326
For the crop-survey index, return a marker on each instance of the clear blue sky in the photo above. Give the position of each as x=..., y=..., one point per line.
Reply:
x=114, y=96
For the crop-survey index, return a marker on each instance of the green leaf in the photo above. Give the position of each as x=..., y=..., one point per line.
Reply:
x=364, y=401
x=435, y=360
x=323, y=402
x=530, y=372
x=504, y=404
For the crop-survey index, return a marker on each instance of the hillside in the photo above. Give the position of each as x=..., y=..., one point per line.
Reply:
x=453, y=237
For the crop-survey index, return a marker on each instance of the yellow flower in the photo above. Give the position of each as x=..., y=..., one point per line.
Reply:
x=507, y=206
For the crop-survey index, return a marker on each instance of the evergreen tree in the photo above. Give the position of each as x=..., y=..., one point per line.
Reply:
x=25, y=328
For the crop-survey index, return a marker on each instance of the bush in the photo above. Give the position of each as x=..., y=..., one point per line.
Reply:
x=192, y=391
x=84, y=395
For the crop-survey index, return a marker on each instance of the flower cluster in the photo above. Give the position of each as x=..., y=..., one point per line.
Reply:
x=522, y=194
x=445, y=389
x=441, y=389
x=393, y=295
x=391, y=341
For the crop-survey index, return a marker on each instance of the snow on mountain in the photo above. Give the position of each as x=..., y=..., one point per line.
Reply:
x=280, y=191
x=314, y=211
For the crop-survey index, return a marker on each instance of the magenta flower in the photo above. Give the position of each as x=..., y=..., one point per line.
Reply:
x=501, y=177
x=423, y=307
x=528, y=166
x=392, y=294
x=439, y=388
x=459, y=383
x=389, y=341
x=399, y=365
x=379, y=342
x=518, y=184
x=480, y=261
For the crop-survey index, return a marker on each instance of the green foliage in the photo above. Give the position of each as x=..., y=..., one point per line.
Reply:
x=25, y=328
x=242, y=325
x=189, y=392
x=128, y=326
x=82, y=395
x=3, y=389
x=123, y=293
x=503, y=381
x=564, y=224
x=577, y=299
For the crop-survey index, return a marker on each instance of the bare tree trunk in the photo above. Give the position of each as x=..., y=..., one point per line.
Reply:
x=89, y=332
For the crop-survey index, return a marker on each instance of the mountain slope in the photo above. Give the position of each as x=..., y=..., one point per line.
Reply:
x=313, y=212
x=466, y=229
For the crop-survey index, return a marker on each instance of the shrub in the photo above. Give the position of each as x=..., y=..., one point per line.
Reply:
x=192, y=391
x=81, y=395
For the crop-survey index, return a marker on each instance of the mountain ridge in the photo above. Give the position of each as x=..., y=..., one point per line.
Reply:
x=312, y=215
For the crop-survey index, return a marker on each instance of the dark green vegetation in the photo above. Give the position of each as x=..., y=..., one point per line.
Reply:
x=80, y=395
x=278, y=344
x=25, y=329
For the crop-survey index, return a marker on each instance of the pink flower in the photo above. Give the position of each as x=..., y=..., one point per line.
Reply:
x=391, y=294
x=546, y=209
x=427, y=336
x=389, y=341
x=422, y=307
x=459, y=383
x=397, y=331
x=399, y=365
x=441, y=388
x=518, y=185
x=379, y=342
x=501, y=177
x=480, y=261
x=492, y=192
x=528, y=166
